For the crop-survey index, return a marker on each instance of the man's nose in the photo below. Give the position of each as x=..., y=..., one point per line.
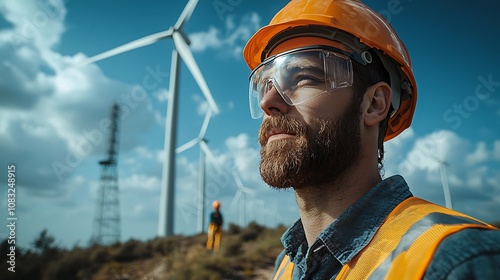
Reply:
x=272, y=103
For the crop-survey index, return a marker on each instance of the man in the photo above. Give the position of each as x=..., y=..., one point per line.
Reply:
x=333, y=81
x=215, y=228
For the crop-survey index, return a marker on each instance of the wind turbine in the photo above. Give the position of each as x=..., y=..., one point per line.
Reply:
x=444, y=180
x=181, y=51
x=204, y=151
x=241, y=195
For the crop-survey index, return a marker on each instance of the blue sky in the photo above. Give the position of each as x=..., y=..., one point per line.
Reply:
x=49, y=110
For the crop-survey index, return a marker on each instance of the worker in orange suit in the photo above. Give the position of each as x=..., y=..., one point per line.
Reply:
x=215, y=228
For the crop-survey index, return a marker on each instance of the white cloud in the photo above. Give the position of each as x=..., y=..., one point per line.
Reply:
x=201, y=41
x=478, y=156
x=472, y=182
x=246, y=158
x=144, y=152
x=401, y=138
x=476, y=177
x=430, y=151
x=160, y=156
x=496, y=150
x=393, y=151
x=38, y=21
x=228, y=41
x=140, y=182
x=161, y=94
x=37, y=130
x=56, y=115
x=202, y=103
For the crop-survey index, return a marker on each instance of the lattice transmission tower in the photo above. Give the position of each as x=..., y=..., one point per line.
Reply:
x=107, y=227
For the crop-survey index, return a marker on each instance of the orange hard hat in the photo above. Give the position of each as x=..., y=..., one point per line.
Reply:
x=216, y=204
x=338, y=20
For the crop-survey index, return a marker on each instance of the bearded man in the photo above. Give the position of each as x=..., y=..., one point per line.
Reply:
x=330, y=94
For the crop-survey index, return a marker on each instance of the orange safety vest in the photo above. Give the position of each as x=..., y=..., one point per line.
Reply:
x=403, y=246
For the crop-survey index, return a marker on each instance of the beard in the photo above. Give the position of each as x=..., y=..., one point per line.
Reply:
x=310, y=158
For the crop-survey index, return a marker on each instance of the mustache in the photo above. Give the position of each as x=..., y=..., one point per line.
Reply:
x=283, y=124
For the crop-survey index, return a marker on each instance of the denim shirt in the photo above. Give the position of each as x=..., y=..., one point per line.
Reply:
x=355, y=228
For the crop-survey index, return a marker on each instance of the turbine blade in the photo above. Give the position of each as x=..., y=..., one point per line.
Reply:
x=210, y=156
x=187, y=145
x=433, y=157
x=186, y=13
x=448, y=167
x=182, y=47
x=240, y=185
x=144, y=41
x=247, y=190
x=236, y=198
x=204, y=127
x=237, y=179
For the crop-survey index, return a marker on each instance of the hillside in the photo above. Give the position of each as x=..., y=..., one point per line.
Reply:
x=246, y=253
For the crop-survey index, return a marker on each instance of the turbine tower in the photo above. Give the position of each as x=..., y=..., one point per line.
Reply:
x=107, y=228
x=181, y=51
x=444, y=180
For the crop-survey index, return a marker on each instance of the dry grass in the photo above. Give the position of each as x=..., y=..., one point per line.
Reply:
x=245, y=253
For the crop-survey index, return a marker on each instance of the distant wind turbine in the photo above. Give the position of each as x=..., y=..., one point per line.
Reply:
x=446, y=188
x=180, y=51
x=204, y=152
x=444, y=179
x=240, y=197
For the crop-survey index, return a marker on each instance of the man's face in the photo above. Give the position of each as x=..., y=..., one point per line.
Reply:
x=318, y=152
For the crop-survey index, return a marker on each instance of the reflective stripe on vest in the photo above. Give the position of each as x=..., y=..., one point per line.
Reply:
x=403, y=246
x=285, y=269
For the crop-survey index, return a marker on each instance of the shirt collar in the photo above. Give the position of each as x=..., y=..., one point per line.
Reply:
x=354, y=229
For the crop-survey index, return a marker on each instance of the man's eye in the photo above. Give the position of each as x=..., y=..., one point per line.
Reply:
x=308, y=80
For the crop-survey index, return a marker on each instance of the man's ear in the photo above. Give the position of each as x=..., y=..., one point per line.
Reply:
x=379, y=97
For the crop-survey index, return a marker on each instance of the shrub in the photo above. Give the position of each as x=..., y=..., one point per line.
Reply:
x=132, y=250
x=243, y=250
x=233, y=229
x=231, y=246
x=251, y=232
x=72, y=265
x=99, y=255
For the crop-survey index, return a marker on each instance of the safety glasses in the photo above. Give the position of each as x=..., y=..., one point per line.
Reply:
x=299, y=75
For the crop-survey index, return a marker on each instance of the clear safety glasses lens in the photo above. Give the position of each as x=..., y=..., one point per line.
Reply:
x=299, y=75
